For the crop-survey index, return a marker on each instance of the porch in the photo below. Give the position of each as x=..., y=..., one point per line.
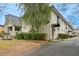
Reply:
x=11, y=30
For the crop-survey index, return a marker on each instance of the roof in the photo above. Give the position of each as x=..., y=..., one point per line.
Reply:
x=14, y=19
x=59, y=14
x=1, y=25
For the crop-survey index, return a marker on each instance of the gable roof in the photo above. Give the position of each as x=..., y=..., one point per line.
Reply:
x=14, y=19
x=59, y=14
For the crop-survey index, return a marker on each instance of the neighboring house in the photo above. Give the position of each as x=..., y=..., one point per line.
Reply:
x=12, y=24
x=57, y=25
x=1, y=28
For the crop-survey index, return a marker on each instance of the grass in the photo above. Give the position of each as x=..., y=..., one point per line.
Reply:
x=8, y=43
x=14, y=42
x=13, y=47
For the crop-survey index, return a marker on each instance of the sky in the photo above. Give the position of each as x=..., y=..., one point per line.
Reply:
x=8, y=8
x=69, y=11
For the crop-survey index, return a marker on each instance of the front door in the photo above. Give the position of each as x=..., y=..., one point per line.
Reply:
x=53, y=30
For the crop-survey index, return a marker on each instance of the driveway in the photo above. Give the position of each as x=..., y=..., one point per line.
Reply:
x=69, y=47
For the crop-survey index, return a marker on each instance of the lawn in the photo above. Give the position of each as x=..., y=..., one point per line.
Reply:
x=15, y=47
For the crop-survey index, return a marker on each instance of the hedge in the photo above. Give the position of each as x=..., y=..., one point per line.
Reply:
x=31, y=36
x=19, y=35
x=64, y=36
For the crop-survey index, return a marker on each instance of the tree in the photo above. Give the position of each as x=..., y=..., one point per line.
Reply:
x=36, y=15
x=2, y=8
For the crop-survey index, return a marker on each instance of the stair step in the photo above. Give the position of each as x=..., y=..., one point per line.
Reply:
x=6, y=38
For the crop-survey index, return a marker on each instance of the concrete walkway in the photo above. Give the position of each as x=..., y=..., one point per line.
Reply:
x=69, y=47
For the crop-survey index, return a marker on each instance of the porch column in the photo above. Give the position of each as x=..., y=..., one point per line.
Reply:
x=13, y=28
x=13, y=31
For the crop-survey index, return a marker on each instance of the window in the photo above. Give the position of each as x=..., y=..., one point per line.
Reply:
x=9, y=28
x=17, y=28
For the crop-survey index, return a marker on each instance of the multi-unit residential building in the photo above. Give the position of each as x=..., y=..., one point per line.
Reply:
x=56, y=25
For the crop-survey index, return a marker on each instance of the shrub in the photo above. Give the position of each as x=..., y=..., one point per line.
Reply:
x=64, y=36
x=34, y=36
x=20, y=35
x=72, y=36
x=0, y=34
x=31, y=36
x=27, y=36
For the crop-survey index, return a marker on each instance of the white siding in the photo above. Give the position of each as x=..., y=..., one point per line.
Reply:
x=25, y=28
x=53, y=18
x=47, y=28
x=62, y=27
